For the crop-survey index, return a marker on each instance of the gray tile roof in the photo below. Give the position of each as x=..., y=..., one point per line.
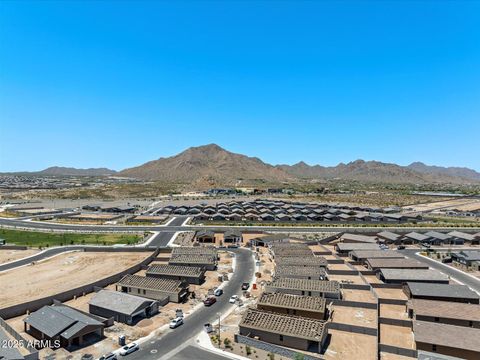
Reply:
x=413, y=274
x=438, y=235
x=119, y=302
x=150, y=283
x=389, y=235
x=461, y=235
x=357, y=246
x=378, y=254
x=458, y=337
x=404, y=263
x=416, y=236
x=442, y=290
x=359, y=238
x=59, y=320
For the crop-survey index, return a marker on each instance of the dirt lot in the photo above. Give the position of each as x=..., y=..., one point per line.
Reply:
x=372, y=279
x=185, y=238
x=399, y=336
x=358, y=295
x=62, y=273
x=393, y=311
x=338, y=267
x=351, y=346
x=385, y=293
x=464, y=204
x=11, y=255
x=355, y=316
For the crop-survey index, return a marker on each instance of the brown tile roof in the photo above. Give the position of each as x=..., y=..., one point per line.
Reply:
x=193, y=259
x=305, y=284
x=445, y=309
x=175, y=270
x=309, y=303
x=286, y=271
x=380, y=254
x=293, y=252
x=458, y=337
x=301, y=261
x=287, y=325
x=150, y=283
x=195, y=250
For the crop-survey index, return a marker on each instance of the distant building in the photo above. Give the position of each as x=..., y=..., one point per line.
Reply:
x=441, y=292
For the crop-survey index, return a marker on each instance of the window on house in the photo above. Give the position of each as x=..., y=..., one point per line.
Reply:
x=434, y=348
x=281, y=337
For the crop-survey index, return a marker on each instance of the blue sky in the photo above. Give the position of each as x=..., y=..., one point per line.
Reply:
x=115, y=84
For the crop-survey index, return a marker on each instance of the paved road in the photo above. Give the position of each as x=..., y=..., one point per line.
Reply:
x=162, y=239
x=196, y=353
x=174, y=227
x=245, y=268
x=452, y=272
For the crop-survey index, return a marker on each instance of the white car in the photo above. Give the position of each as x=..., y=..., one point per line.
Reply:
x=218, y=292
x=176, y=322
x=232, y=299
x=129, y=348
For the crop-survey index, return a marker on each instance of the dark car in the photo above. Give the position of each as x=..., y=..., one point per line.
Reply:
x=245, y=286
x=209, y=301
x=400, y=247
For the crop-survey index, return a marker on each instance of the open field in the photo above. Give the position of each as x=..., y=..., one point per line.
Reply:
x=43, y=239
x=62, y=273
x=462, y=203
x=399, y=336
x=11, y=255
x=355, y=316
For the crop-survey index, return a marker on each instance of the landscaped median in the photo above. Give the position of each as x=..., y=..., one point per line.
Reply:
x=47, y=239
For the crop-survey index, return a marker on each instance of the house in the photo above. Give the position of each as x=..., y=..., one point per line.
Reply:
x=400, y=263
x=300, y=272
x=469, y=258
x=284, y=330
x=124, y=308
x=345, y=248
x=458, y=237
x=327, y=289
x=445, y=339
x=311, y=307
x=438, y=238
x=267, y=217
x=303, y=261
x=441, y=292
x=64, y=324
x=357, y=238
x=445, y=312
x=414, y=238
x=153, y=288
x=402, y=276
x=205, y=236
x=269, y=239
x=389, y=237
x=195, y=250
x=363, y=255
x=232, y=236
x=190, y=274
x=208, y=262
x=218, y=217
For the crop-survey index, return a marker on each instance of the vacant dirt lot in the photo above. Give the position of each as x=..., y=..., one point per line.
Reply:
x=358, y=295
x=351, y=346
x=11, y=255
x=355, y=316
x=62, y=273
x=385, y=293
x=393, y=311
x=399, y=336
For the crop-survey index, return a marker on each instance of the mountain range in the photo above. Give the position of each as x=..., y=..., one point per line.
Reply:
x=211, y=165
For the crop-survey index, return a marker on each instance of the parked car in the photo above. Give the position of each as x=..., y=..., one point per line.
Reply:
x=401, y=247
x=129, y=348
x=176, y=322
x=210, y=301
x=208, y=328
x=232, y=299
x=218, y=292
x=245, y=286
x=109, y=356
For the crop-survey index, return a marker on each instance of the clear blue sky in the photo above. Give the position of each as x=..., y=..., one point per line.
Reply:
x=115, y=84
